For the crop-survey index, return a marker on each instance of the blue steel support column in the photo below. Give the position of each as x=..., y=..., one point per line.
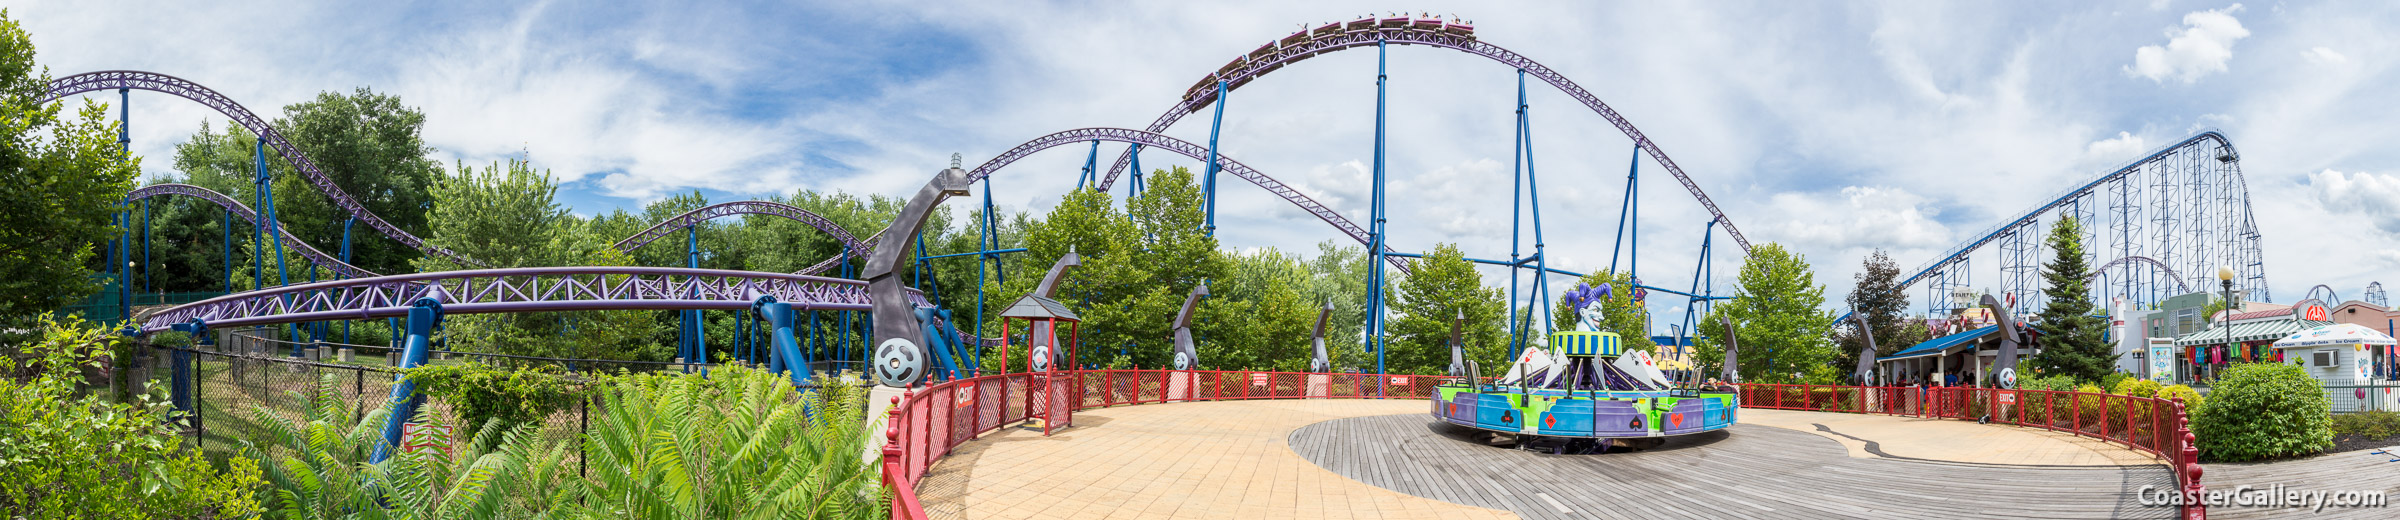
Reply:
x=1533, y=196
x=1516, y=212
x=147, y=286
x=983, y=239
x=228, y=245
x=1707, y=234
x=1091, y=163
x=1136, y=189
x=124, y=262
x=346, y=259
x=422, y=316
x=1625, y=208
x=270, y=226
x=1375, y=245
x=182, y=394
x=1208, y=185
x=125, y=251
x=843, y=351
x=779, y=316
x=699, y=333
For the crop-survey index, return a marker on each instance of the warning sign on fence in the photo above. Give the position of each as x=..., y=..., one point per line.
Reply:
x=2008, y=398
x=967, y=398
x=413, y=437
x=1258, y=380
x=1399, y=381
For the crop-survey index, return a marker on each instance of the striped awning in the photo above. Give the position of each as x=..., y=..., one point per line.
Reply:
x=2248, y=332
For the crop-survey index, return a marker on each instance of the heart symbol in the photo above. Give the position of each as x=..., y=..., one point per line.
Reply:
x=1453, y=409
x=1677, y=419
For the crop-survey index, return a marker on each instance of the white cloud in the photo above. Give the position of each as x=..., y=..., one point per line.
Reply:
x=2121, y=147
x=2372, y=195
x=2202, y=46
x=1863, y=217
x=2323, y=56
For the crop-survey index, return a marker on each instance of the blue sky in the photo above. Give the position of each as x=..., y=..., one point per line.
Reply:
x=1836, y=130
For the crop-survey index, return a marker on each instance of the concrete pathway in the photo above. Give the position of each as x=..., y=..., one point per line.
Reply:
x=1951, y=440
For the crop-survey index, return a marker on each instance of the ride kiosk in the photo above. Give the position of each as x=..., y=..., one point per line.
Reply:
x=1052, y=392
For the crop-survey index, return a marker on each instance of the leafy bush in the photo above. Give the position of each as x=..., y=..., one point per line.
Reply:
x=736, y=444
x=2377, y=424
x=2135, y=388
x=2087, y=407
x=481, y=393
x=67, y=454
x=2191, y=398
x=321, y=468
x=2056, y=383
x=2264, y=410
x=2113, y=379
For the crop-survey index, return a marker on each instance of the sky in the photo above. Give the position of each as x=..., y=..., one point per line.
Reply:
x=1834, y=130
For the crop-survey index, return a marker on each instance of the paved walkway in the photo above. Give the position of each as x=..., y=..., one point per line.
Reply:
x=1951, y=440
x=1225, y=459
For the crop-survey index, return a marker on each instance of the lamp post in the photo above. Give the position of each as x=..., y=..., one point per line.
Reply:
x=2225, y=280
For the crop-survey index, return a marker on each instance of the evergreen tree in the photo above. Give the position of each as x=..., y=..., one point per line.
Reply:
x=2070, y=335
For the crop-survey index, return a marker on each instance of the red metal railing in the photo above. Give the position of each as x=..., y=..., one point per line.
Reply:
x=925, y=424
x=2160, y=427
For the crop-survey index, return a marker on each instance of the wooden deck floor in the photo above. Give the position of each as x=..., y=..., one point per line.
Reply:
x=1745, y=472
x=2352, y=471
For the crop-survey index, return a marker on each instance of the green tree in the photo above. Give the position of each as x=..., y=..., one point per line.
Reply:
x=1442, y=286
x=1880, y=299
x=60, y=182
x=2071, y=335
x=510, y=217
x=1781, y=327
x=66, y=453
x=369, y=144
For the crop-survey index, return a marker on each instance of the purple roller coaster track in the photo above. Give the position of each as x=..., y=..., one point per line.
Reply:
x=179, y=87
x=1187, y=149
x=538, y=289
x=1368, y=34
x=244, y=211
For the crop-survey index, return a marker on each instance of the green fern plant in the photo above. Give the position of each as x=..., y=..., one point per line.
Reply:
x=320, y=469
x=737, y=443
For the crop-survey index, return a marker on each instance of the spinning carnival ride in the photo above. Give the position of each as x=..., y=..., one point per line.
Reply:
x=1587, y=387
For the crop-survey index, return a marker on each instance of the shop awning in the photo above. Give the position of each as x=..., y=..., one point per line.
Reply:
x=1937, y=346
x=2343, y=334
x=2248, y=332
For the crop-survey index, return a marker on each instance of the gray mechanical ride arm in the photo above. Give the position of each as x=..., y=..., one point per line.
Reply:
x=1187, y=356
x=1866, y=358
x=1321, y=363
x=899, y=357
x=1732, y=372
x=2004, y=369
x=1458, y=346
